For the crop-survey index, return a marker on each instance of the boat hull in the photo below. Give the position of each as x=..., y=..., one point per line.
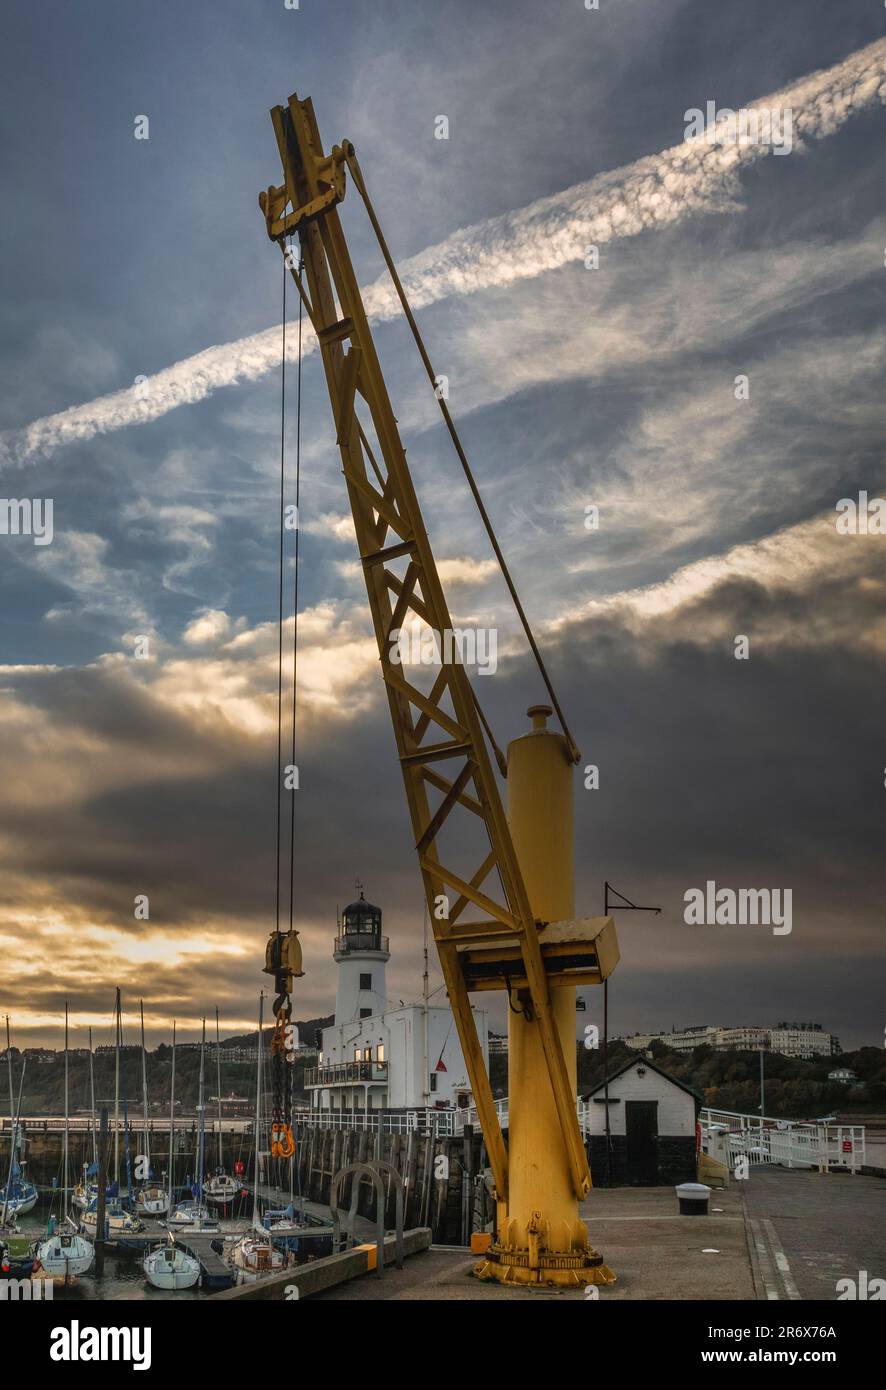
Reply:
x=171, y=1271
x=63, y=1257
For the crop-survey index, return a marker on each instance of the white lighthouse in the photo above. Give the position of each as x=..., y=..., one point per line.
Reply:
x=361, y=954
x=376, y=1057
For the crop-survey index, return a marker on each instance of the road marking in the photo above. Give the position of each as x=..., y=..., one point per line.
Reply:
x=781, y=1260
x=767, y=1273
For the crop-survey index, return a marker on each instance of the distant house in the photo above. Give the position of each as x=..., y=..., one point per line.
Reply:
x=652, y=1119
x=845, y=1074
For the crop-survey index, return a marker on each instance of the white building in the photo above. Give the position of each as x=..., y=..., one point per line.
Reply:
x=790, y=1040
x=652, y=1118
x=802, y=1040
x=375, y=1057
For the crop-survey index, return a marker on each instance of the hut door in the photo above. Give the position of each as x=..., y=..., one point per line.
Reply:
x=641, y=1130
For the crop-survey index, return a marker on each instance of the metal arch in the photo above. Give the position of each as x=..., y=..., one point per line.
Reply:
x=372, y=1170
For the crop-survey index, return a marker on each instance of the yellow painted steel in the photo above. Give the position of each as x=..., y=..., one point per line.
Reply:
x=506, y=948
x=541, y=1238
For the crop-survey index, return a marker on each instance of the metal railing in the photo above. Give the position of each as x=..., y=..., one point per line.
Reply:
x=790, y=1143
x=339, y=1073
x=360, y=941
x=439, y=1122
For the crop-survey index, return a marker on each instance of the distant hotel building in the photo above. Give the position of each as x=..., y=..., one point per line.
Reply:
x=803, y=1040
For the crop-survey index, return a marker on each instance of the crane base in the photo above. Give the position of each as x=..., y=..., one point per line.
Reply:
x=569, y=1269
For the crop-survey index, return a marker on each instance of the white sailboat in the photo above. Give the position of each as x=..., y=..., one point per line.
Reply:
x=168, y=1267
x=193, y=1214
x=19, y=1196
x=151, y=1199
x=254, y=1255
x=221, y=1188
x=87, y=1189
x=64, y=1253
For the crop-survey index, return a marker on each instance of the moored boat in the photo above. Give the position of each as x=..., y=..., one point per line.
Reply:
x=254, y=1256
x=120, y=1222
x=169, y=1267
x=221, y=1188
x=193, y=1216
x=65, y=1254
x=152, y=1200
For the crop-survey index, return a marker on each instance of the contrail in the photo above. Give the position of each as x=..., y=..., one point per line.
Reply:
x=656, y=191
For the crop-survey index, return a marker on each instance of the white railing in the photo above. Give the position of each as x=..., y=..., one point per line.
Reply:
x=790, y=1143
x=469, y=1116
x=440, y=1122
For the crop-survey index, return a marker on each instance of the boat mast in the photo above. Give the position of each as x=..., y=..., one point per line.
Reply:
x=92, y=1100
x=141, y=1004
x=65, y=1168
x=172, y=1120
x=9, y=1069
x=15, y=1125
x=117, y=1089
x=261, y=1009
x=201, y=1110
x=221, y=1160
x=11, y=1121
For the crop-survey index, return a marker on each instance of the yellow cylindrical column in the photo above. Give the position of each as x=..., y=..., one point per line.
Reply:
x=541, y=1238
x=540, y=819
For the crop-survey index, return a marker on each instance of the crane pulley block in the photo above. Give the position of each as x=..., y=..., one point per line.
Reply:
x=324, y=173
x=283, y=958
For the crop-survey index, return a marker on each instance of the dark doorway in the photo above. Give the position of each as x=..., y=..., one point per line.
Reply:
x=641, y=1141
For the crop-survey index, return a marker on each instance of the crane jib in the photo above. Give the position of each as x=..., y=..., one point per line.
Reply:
x=440, y=726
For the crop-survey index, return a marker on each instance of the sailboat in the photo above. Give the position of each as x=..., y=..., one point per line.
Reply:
x=86, y=1189
x=19, y=1196
x=221, y=1188
x=167, y=1266
x=65, y=1252
x=254, y=1255
x=194, y=1215
x=151, y=1199
x=119, y=1222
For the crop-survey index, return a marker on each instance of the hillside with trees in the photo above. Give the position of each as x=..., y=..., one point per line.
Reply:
x=794, y=1089
x=44, y=1082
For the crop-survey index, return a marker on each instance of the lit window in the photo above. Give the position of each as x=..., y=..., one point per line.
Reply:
x=380, y=1052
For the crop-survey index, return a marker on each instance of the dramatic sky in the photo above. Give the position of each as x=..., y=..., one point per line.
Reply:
x=573, y=386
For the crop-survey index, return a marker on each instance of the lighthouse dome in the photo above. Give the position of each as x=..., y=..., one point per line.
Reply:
x=361, y=918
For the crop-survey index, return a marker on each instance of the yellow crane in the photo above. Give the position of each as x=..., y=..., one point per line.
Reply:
x=503, y=918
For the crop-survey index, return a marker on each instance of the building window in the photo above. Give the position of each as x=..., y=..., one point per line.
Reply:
x=433, y=1085
x=356, y=1054
x=380, y=1052
x=366, y=981
x=366, y=1013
